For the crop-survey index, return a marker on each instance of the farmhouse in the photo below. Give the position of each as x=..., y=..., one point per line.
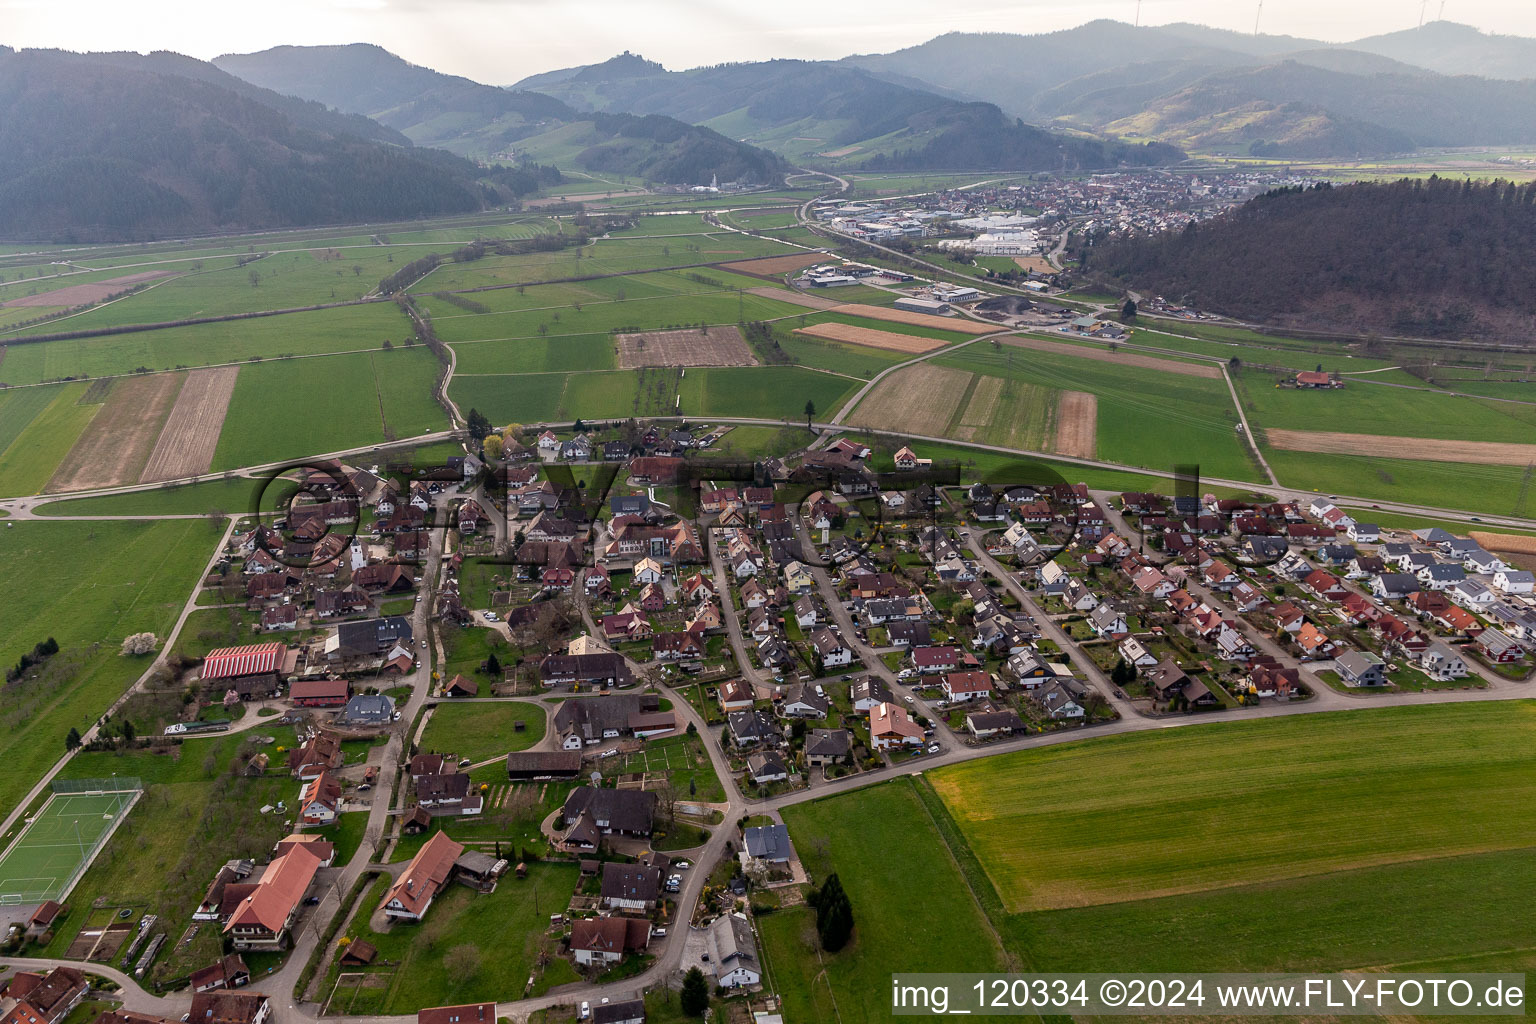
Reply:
x=267, y=910
x=424, y=877
x=589, y=814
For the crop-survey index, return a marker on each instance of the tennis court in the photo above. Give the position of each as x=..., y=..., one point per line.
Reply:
x=54, y=850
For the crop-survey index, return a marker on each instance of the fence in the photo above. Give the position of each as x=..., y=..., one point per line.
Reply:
x=115, y=784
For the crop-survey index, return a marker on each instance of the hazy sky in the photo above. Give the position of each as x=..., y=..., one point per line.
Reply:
x=500, y=41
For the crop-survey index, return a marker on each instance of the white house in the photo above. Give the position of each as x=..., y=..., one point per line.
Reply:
x=648, y=570
x=735, y=952
x=1515, y=581
x=1441, y=662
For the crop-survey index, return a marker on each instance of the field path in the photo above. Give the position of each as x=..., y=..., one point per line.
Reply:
x=191, y=433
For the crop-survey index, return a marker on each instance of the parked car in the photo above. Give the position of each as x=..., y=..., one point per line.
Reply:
x=586, y=1010
x=933, y=748
x=659, y=933
x=682, y=865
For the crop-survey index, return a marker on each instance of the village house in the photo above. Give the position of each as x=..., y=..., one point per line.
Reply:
x=630, y=887
x=734, y=947
x=267, y=909
x=827, y=747
x=589, y=814
x=604, y=940
x=891, y=728
x=423, y=879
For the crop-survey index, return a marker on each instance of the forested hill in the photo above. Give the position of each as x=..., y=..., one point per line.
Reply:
x=434, y=109
x=115, y=147
x=1438, y=258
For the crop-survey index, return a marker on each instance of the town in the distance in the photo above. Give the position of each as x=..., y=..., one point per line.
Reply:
x=647, y=546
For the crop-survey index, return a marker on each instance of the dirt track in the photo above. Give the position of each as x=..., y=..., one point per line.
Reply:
x=1077, y=424
x=114, y=448
x=708, y=346
x=871, y=337
x=191, y=433
x=1122, y=357
x=1424, y=449
x=85, y=294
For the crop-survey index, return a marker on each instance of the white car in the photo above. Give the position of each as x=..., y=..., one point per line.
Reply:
x=586, y=1010
x=491, y=617
x=933, y=748
x=908, y=699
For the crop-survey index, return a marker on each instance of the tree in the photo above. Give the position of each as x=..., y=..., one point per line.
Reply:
x=694, y=998
x=810, y=410
x=477, y=425
x=139, y=643
x=493, y=665
x=72, y=739
x=834, y=914
x=1128, y=312
x=462, y=961
x=492, y=446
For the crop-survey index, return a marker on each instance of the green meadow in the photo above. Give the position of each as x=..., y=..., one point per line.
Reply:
x=88, y=585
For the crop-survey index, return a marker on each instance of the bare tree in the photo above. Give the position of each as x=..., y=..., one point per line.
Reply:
x=462, y=961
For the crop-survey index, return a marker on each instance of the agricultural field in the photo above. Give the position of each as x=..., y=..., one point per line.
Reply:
x=1488, y=453
x=695, y=346
x=28, y=462
x=293, y=408
x=347, y=329
x=186, y=444
x=882, y=845
x=1394, y=412
x=867, y=336
x=115, y=447
x=1145, y=417
x=1447, y=485
x=1444, y=781
x=87, y=584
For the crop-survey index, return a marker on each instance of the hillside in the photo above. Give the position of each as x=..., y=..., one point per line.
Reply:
x=1438, y=258
x=463, y=116
x=1453, y=49
x=1211, y=90
x=835, y=114
x=111, y=147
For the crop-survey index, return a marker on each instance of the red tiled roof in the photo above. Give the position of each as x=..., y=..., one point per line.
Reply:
x=253, y=659
x=426, y=875
x=281, y=888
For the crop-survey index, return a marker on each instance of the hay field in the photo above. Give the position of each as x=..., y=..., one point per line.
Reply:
x=901, y=316
x=704, y=346
x=1512, y=543
x=1063, y=826
x=918, y=400
x=1077, y=424
x=1124, y=358
x=114, y=449
x=874, y=339
x=186, y=444
x=1328, y=442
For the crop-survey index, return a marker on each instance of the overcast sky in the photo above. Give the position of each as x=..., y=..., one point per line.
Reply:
x=501, y=41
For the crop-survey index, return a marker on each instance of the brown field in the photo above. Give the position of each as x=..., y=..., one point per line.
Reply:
x=85, y=294
x=901, y=316
x=792, y=297
x=775, y=266
x=1038, y=264
x=1077, y=424
x=1122, y=357
x=845, y=151
x=114, y=449
x=191, y=433
x=707, y=346
x=918, y=400
x=1513, y=543
x=871, y=337
x=1427, y=449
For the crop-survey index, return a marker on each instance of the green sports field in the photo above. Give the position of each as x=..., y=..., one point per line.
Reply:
x=46, y=857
